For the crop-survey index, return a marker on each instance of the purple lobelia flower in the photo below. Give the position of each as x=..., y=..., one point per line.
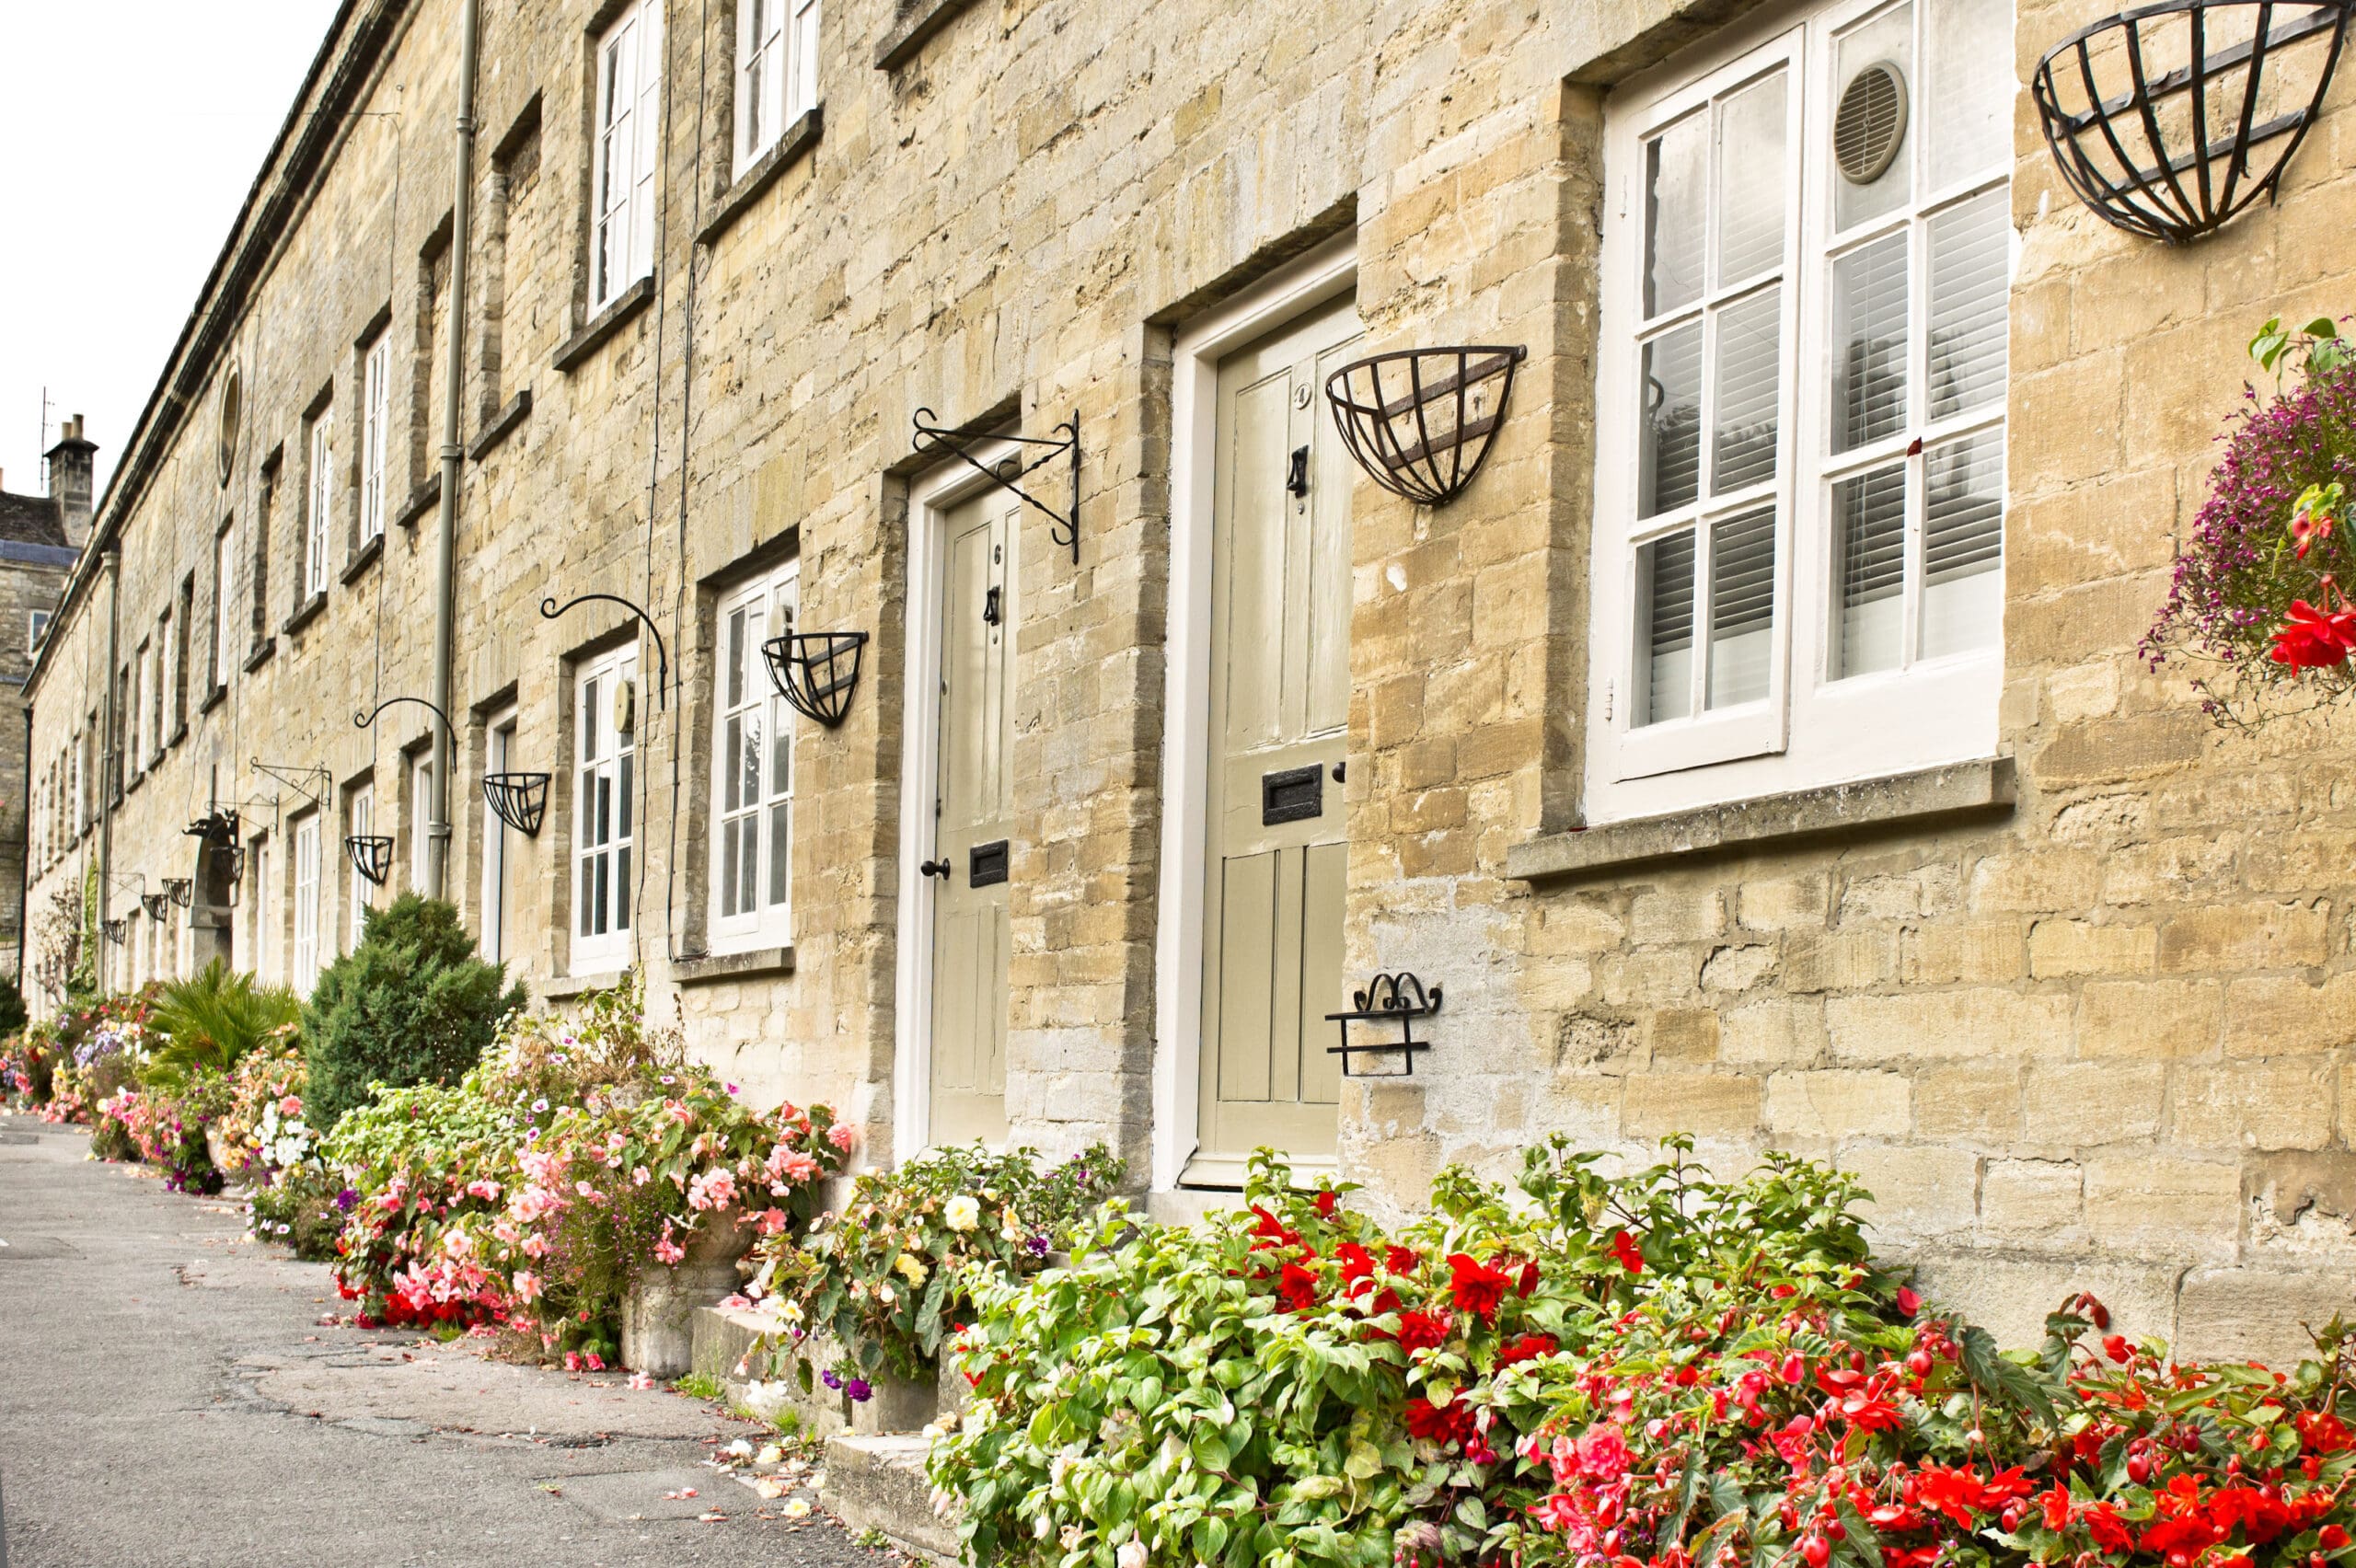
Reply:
x=858, y=1390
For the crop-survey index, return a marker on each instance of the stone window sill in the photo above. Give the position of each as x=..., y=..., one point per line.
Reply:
x=422, y=500
x=603, y=325
x=260, y=655
x=137, y=780
x=361, y=560
x=1911, y=800
x=565, y=988
x=774, y=961
x=179, y=735
x=502, y=424
x=913, y=22
x=799, y=138
x=213, y=698
x=305, y=614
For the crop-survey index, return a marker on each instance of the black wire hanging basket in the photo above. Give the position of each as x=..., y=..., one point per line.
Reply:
x=816, y=671
x=1420, y=422
x=154, y=904
x=520, y=798
x=2170, y=119
x=372, y=856
x=118, y=930
x=181, y=891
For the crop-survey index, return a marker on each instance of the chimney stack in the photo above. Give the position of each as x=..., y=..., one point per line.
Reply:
x=69, y=480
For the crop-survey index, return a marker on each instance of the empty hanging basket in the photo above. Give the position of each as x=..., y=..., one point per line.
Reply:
x=816, y=671
x=1420, y=422
x=2170, y=119
x=520, y=798
x=372, y=856
x=181, y=891
x=156, y=903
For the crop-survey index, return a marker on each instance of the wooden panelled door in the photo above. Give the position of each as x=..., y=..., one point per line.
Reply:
x=971, y=809
x=1275, y=849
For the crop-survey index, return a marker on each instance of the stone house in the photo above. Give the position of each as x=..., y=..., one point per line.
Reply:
x=1915, y=866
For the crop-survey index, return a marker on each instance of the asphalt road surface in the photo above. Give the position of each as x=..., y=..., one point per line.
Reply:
x=168, y=1396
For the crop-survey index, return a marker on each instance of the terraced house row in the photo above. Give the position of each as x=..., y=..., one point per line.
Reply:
x=992, y=687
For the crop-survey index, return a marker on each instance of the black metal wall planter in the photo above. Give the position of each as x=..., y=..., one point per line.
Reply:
x=816, y=671
x=2170, y=119
x=372, y=856
x=520, y=798
x=154, y=904
x=1388, y=1000
x=1062, y=526
x=118, y=930
x=1420, y=422
x=181, y=891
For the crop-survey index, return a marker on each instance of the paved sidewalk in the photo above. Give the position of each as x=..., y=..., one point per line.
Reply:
x=167, y=1395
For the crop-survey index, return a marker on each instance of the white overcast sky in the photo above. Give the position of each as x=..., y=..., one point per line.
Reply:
x=130, y=132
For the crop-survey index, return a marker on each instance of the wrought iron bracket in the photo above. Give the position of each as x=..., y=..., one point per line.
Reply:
x=520, y=798
x=295, y=778
x=550, y=609
x=1062, y=526
x=1398, y=999
x=364, y=720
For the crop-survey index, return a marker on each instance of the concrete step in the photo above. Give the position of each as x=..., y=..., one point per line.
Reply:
x=764, y=1384
x=878, y=1483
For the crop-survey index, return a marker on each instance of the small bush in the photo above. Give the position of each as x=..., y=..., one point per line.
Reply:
x=12, y=1007
x=409, y=1004
x=211, y=1021
x=301, y=1206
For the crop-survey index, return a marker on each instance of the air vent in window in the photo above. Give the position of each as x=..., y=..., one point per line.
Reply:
x=1870, y=124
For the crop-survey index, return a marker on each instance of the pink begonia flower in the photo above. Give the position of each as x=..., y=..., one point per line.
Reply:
x=291, y=1106
x=641, y=1177
x=669, y=1251
x=797, y=1165
x=773, y=1221
x=527, y=1285
x=841, y=1136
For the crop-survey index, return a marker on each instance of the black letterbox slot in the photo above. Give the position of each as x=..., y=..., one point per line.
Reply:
x=1291, y=794
x=986, y=864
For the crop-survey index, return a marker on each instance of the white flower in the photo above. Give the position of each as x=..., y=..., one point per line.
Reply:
x=1131, y=1555
x=798, y=1508
x=885, y=1294
x=961, y=1212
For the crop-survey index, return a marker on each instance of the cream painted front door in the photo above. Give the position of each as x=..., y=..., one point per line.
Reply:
x=971, y=810
x=1277, y=854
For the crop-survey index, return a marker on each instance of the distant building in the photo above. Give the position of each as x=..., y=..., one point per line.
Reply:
x=41, y=535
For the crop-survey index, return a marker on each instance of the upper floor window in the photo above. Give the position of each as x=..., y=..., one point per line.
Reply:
x=221, y=578
x=1798, y=557
x=752, y=766
x=362, y=815
x=36, y=628
x=606, y=719
x=629, y=147
x=306, y=838
x=375, y=418
x=421, y=821
x=317, y=504
x=776, y=70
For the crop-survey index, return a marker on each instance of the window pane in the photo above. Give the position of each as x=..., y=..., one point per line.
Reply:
x=1887, y=40
x=1969, y=83
x=1671, y=463
x=1963, y=544
x=780, y=751
x=621, y=889
x=749, y=792
x=604, y=829
x=1675, y=165
x=604, y=892
x=1971, y=244
x=1742, y=448
x=1870, y=513
x=780, y=861
x=1750, y=205
x=731, y=835
x=748, y=866
x=735, y=698
x=589, y=720
x=1665, y=593
x=625, y=801
x=1742, y=606
x=732, y=772
x=1869, y=343
x=588, y=890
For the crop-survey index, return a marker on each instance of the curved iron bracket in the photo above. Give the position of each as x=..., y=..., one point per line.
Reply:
x=294, y=777
x=362, y=720
x=550, y=609
x=1062, y=526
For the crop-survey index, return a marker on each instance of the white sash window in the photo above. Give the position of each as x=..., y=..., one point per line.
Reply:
x=752, y=766
x=776, y=70
x=628, y=150
x=606, y=720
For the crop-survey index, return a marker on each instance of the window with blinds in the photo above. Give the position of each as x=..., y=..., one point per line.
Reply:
x=1799, y=539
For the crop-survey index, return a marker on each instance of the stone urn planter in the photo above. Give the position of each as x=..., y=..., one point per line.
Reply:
x=658, y=1314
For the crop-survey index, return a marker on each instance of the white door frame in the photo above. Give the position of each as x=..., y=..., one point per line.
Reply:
x=932, y=495
x=1297, y=287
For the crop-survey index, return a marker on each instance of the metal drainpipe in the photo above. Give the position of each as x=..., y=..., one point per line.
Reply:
x=437, y=854
x=25, y=869
x=110, y=760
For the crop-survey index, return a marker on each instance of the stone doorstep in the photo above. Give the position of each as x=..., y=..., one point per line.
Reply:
x=722, y=1336
x=878, y=1483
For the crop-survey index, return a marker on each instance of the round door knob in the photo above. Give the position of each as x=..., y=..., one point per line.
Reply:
x=940, y=868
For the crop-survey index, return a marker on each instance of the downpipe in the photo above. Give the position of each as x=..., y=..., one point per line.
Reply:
x=437, y=854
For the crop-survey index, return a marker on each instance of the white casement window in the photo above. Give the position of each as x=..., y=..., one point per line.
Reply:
x=135, y=725
x=628, y=150
x=776, y=70
x=364, y=825
x=307, y=903
x=265, y=959
x=376, y=420
x=318, y=506
x=499, y=750
x=752, y=771
x=1799, y=496
x=606, y=718
x=36, y=628
x=421, y=820
x=221, y=582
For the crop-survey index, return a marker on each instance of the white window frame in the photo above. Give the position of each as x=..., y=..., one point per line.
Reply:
x=318, y=504
x=498, y=748
x=604, y=772
x=742, y=696
x=364, y=825
x=36, y=628
x=223, y=548
x=257, y=877
x=135, y=727
x=1812, y=730
x=375, y=418
x=777, y=72
x=305, y=837
x=420, y=818
x=626, y=151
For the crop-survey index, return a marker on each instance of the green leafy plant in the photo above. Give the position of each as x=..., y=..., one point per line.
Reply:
x=410, y=1004
x=212, y=1021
